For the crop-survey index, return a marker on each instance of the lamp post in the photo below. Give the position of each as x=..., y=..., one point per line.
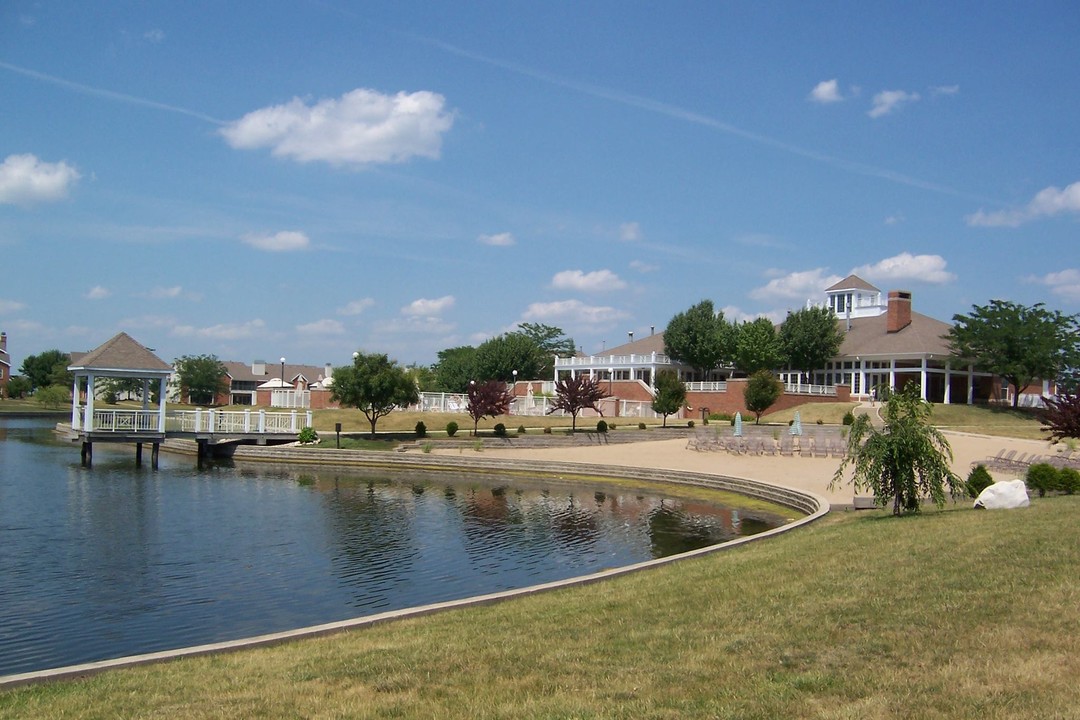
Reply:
x=283, y=380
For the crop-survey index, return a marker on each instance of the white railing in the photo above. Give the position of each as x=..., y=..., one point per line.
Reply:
x=300, y=399
x=716, y=386
x=801, y=389
x=122, y=420
x=243, y=421
x=607, y=361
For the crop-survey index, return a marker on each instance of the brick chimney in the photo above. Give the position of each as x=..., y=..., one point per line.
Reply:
x=899, y=313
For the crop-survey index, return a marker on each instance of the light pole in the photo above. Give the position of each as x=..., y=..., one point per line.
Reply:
x=282, y=379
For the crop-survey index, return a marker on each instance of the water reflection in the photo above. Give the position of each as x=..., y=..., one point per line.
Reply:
x=116, y=560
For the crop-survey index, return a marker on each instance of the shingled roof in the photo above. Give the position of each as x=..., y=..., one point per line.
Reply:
x=122, y=353
x=870, y=337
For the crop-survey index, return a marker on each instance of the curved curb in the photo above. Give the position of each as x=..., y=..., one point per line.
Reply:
x=815, y=507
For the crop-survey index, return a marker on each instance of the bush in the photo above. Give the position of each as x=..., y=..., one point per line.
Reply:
x=822, y=422
x=547, y=430
x=641, y=426
x=1069, y=480
x=690, y=423
x=451, y=428
x=1042, y=477
x=849, y=418
x=427, y=447
x=978, y=480
x=720, y=417
x=601, y=427
x=307, y=436
x=611, y=426
x=500, y=430
x=521, y=429
x=421, y=429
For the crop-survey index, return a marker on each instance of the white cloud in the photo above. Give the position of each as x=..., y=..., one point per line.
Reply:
x=98, y=293
x=224, y=331
x=10, y=306
x=356, y=307
x=796, y=286
x=359, y=128
x=1046, y=203
x=945, y=90
x=907, y=267
x=24, y=180
x=155, y=36
x=643, y=267
x=575, y=312
x=321, y=327
x=424, y=307
x=895, y=219
x=826, y=91
x=504, y=239
x=429, y=326
x=1064, y=283
x=888, y=100
x=596, y=281
x=166, y=293
x=630, y=232
x=284, y=241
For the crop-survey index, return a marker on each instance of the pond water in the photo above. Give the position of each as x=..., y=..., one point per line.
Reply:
x=118, y=560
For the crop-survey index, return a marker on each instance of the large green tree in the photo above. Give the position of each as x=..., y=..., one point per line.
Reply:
x=551, y=341
x=47, y=368
x=757, y=346
x=1017, y=342
x=701, y=338
x=454, y=369
x=906, y=460
x=670, y=394
x=761, y=391
x=809, y=338
x=202, y=378
x=375, y=385
x=499, y=357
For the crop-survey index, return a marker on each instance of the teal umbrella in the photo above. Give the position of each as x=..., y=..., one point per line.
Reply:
x=796, y=424
x=738, y=424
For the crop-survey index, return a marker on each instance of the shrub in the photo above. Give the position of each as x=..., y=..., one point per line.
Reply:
x=451, y=428
x=849, y=418
x=547, y=430
x=421, y=429
x=601, y=427
x=978, y=480
x=1069, y=480
x=820, y=421
x=1042, y=477
x=307, y=436
x=720, y=416
x=641, y=426
x=611, y=426
x=500, y=430
x=427, y=447
x=690, y=423
x=521, y=429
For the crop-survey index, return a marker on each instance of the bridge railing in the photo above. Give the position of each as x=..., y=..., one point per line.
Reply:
x=193, y=421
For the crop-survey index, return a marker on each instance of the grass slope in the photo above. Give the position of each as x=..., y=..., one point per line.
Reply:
x=951, y=614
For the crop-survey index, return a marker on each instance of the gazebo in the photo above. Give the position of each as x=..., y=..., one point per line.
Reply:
x=119, y=357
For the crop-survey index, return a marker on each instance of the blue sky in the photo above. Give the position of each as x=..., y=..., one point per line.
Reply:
x=305, y=179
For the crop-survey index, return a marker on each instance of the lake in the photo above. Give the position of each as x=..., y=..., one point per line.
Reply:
x=117, y=560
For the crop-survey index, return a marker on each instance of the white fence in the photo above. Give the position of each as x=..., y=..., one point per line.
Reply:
x=192, y=421
x=802, y=389
x=534, y=405
x=122, y=420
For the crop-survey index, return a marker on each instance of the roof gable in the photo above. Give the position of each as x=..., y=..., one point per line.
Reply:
x=122, y=352
x=852, y=282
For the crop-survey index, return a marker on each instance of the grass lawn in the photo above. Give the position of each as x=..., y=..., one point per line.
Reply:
x=951, y=614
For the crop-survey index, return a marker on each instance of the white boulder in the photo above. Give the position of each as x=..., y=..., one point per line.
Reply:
x=1003, y=495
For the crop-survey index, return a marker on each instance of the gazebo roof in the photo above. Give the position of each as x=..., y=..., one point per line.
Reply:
x=121, y=354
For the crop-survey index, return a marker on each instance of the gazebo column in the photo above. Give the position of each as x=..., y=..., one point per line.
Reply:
x=971, y=385
x=162, y=384
x=75, y=419
x=89, y=424
x=948, y=384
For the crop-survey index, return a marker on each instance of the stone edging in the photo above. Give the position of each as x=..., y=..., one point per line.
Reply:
x=814, y=506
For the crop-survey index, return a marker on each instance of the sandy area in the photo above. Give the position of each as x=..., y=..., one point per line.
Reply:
x=805, y=473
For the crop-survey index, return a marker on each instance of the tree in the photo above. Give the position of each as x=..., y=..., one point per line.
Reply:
x=488, y=399
x=47, y=368
x=1061, y=417
x=551, y=341
x=18, y=386
x=757, y=346
x=670, y=394
x=906, y=460
x=499, y=357
x=454, y=369
x=1018, y=343
x=809, y=338
x=762, y=390
x=375, y=385
x=203, y=378
x=700, y=338
x=575, y=394
x=423, y=376
x=53, y=396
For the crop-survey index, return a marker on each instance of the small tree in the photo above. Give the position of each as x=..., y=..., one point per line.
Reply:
x=53, y=396
x=904, y=461
x=47, y=368
x=670, y=394
x=487, y=399
x=1061, y=417
x=202, y=378
x=18, y=386
x=375, y=385
x=576, y=394
x=762, y=390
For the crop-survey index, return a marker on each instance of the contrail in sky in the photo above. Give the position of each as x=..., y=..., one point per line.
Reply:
x=108, y=94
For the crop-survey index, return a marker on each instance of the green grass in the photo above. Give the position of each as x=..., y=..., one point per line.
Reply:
x=952, y=614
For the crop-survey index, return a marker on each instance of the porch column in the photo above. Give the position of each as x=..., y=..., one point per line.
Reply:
x=860, y=367
x=89, y=424
x=892, y=374
x=971, y=385
x=948, y=383
x=922, y=379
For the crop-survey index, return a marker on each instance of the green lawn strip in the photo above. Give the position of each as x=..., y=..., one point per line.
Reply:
x=951, y=614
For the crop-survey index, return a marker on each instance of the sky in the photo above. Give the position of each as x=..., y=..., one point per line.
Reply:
x=308, y=179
